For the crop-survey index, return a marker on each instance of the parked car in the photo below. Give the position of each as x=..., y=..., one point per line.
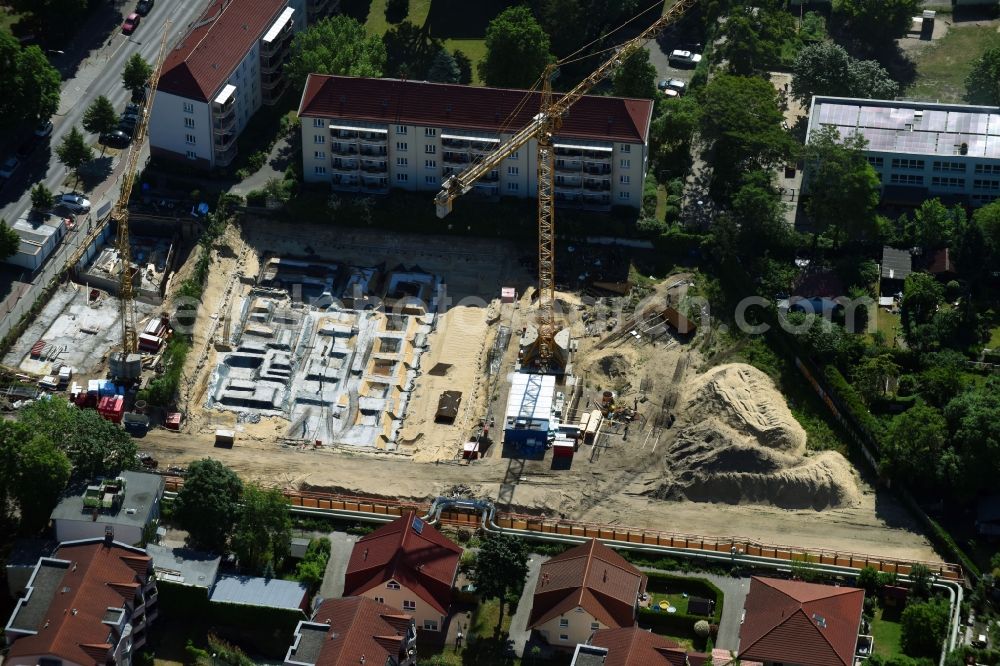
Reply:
x=144, y=6
x=127, y=124
x=117, y=138
x=76, y=203
x=44, y=128
x=980, y=641
x=131, y=23
x=678, y=57
x=9, y=167
x=132, y=109
x=26, y=147
x=678, y=85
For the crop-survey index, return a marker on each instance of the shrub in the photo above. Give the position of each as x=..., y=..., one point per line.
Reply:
x=701, y=628
x=256, y=161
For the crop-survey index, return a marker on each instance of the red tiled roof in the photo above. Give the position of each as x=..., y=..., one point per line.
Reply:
x=593, y=577
x=424, y=563
x=361, y=627
x=632, y=646
x=99, y=577
x=940, y=262
x=785, y=622
x=206, y=56
x=421, y=103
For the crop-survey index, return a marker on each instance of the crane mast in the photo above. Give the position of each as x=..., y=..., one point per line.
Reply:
x=125, y=369
x=542, y=128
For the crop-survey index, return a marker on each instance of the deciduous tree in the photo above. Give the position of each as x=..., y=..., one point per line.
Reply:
x=825, y=68
x=51, y=19
x=410, y=50
x=30, y=84
x=263, y=531
x=100, y=117
x=754, y=36
x=74, y=152
x=207, y=505
x=135, y=74
x=335, y=45
x=922, y=295
x=875, y=23
x=671, y=134
x=501, y=567
x=982, y=85
x=916, y=440
x=974, y=419
x=873, y=374
x=41, y=475
x=517, y=50
x=636, y=77
x=41, y=197
x=9, y=240
x=924, y=627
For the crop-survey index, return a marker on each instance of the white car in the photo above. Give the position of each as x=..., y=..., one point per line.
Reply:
x=679, y=57
x=76, y=203
x=8, y=168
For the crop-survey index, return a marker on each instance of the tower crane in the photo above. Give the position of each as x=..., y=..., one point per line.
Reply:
x=542, y=354
x=126, y=365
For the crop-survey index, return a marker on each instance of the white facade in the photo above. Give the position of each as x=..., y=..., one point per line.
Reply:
x=181, y=126
x=38, y=240
x=571, y=628
x=425, y=616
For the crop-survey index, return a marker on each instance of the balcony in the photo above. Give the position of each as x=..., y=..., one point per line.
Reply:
x=224, y=123
x=596, y=202
x=455, y=158
x=224, y=157
x=374, y=151
x=279, y=35
x=344, y=166
x=343, y=149
x=569, y=166
x=270, y=95
x=568, y=199
x=597, y=159
x=371, y=166
x=345, y=183
x=598, y=170
x=344, y=135
x=491, y=177
x=455, y=144
x=486, y=190
x=223, y=140
x=483, y=147
x=597, y=185
x=568, y=185
x=224, y=105
x=373, y=138
x=380, y=186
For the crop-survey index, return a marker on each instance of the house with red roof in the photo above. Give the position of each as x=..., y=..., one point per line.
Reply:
x=222, y=70
x=794, y=623
x=629, y=646
x=88, y=604
x=406, y=564
x=584, y=590
x=368, y=135
x=351, y=631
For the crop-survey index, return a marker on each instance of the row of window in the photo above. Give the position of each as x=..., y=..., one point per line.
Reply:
x=939, y=166
x=986, y=184
x=564, y=622
x=906, y=179
x=904, y=163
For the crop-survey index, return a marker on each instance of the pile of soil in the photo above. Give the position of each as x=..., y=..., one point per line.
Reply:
x=614, y=365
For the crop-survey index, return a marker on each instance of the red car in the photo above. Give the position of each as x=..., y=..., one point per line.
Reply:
x=130, y=24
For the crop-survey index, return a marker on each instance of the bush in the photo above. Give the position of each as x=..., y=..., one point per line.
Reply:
x=312, y=568
x=701, y=629
x=256, y=161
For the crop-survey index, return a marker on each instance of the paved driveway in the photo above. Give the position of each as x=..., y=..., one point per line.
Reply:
x=519, y=632
x=341, y=545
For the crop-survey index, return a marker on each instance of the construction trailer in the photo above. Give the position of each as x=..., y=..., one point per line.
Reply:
x=528, y=418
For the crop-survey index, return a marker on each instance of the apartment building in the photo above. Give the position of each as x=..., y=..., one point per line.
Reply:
x=354, y=630
x=88, y=604
x=921, y=149
x=369, y=135
x=221, y=72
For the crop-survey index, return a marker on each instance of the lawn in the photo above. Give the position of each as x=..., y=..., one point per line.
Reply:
x=888, y=323
x=887, y=633
x=8, y=18
x=994, y=338
x=942, y=67
x=678, y=601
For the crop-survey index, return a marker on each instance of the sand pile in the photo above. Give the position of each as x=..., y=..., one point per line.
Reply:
x=738, y=443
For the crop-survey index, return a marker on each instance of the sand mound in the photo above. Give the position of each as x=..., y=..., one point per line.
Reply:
x=615, y=365
x=738, y=443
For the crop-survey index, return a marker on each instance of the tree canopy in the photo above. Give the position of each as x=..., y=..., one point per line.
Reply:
x=517, y=50
x=982, y=85
x=135, y=74
x=915, y=442
x=410, y=50
x=263, y=530
x=670, y=136
x=9, y=240
x=207, y=505
x=33, y=474
x=73, y=151
x=636, y=77
x=100, y=117
x=335, y=45
x=754, y=36
x=922, y=295
x=41, y=197
x=974, y=419
x=825, y=68
x=501, y=567
x=444, y=68
x=875, y=23
x=30, y=84
x=924, y=627
x=52, y=20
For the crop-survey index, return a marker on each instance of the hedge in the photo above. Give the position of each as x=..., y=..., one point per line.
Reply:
x=672, y=624
x=852, y=403
x=698, y=587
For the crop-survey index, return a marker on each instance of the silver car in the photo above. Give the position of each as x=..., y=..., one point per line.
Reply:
x=73, y=202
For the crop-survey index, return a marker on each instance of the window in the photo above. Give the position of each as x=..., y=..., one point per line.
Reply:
x=949, y=166
x=431, y=180
x=563, y=623
x=564, y=637
x=189, y=138
x=409, y=605
x=945, y=181
x=626, y=164
x=624, y=180
x=626, y=147
x=512, y=170
x=594, y=626
x=624, y=195
x=430, y=625
x=906, y=179
x=319, y=138
x=903, y=163
x=317, y=122
x=430, y=164
x=191, y=155
x=986, y=184
x=401, y=129
x=430, y=149
x=515, y=155
x=319, y=170
x=189, y=122
x=401, y=145
x=380, y=600
x=984, y=198
x=430, y=131
x=401, y=161
x=188, y=107
x=319, y=155
x=876, y=162
x=512, y=187
x=401, y=178
x=392, y=585
x=989, y=169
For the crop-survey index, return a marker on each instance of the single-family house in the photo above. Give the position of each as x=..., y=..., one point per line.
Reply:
x=354, y=630
x=629, y=646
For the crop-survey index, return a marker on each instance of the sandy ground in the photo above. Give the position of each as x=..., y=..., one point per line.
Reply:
x=619, y=481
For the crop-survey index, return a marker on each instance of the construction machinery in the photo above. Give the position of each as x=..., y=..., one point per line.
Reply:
x=126, y=364
x=542, y=353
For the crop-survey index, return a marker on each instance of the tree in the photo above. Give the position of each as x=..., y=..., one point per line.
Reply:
x=754, y=36
x=335, y=45
x=825, y=68
x=922, y=295
x=868, y=580
x=410, y=50
x=501, y=567
x=875, y=23
x=982, y=85
x=921, y=581
x=30, y=83
x=93, y=445
x=670, y=136
x=941, y=380
x=924, y=627
x=974, y=420
x=517, y=50
x=916, y=440
x=934, y=225
x=987, y=231
x=843, y=188
x=52, y=20
x=396, y=10
x=135, y=74
x=9, y=240
x=572, y=23
x=636, y=77
x=464, y=67
x=100, y=117
x=74, y=152
x=761, y=215
x=312, y=568
x=41, y=197
x=42, y=473
x=872, y=376
x=207, y=505
x=263, y=530
x=444, y=68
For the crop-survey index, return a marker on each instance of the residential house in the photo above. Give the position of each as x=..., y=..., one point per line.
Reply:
x=629, y=646
x=354, y=630
x=367, y=135
x=88, y=604
x=128, y=504
x=286, y=595
x=793, y=623
x=584, y=590
x=920, y=149
x=184, y=567
x=896, y=265
x=406, y=564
